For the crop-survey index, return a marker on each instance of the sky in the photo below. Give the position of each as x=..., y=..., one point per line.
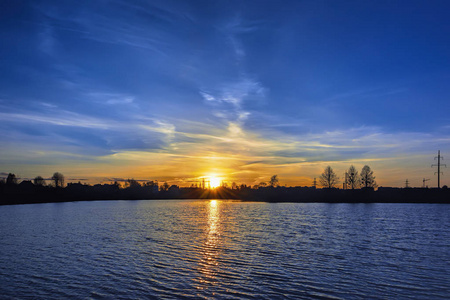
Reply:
x=241, y=90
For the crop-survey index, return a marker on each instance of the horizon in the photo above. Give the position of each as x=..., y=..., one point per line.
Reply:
x=241, y=91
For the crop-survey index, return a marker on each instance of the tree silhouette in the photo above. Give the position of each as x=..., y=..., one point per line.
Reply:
x=11, y=179
x=328, y=179
x=132, y=183
x=164, y=187
x=58, y=179
x=38, y=180
x=353, y=178
x=367, y=178
x=273, y=181
x=150, y=183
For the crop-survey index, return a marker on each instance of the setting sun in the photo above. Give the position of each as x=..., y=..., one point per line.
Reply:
x=214, y=182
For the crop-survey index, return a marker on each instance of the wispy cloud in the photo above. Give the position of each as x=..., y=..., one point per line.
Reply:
x=365, y=93
x=66, y=118
x=47, y=41
x=126, y=24
x=234, y=93
x=229, y=97
x=111, y=98
x=232, y=29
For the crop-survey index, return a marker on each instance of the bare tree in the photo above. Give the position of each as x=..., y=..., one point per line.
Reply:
x=164, y=187
x=38, y=180
x=367, y=178
x=58, y=179
x=274, y=181
x=353, y=178
x=132, y=183
x=328, y=179
x=150, y=183
x=11, y=179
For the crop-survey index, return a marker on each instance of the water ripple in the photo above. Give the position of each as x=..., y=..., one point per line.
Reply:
x=224, y=250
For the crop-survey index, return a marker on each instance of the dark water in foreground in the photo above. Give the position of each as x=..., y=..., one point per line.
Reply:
x=224, y=249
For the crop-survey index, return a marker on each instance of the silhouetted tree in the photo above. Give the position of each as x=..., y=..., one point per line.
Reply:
x=353, y=178
x=151, y=183
x=367, y=178
x=58, y=179
x=273, y=181
x=164, y=187
x=234, y=186
x=262, y=184
x=11, y=179
x=38, y=180
x=328, y=179
x=132, y=183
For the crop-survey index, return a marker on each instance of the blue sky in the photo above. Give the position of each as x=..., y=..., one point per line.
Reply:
x=177, y=90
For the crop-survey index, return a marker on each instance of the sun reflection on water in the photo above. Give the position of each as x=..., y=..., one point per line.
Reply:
x=210, y=253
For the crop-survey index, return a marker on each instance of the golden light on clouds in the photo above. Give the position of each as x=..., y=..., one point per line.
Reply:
x=235, y=154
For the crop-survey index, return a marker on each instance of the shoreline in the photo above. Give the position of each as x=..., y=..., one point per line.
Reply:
x=44, y=194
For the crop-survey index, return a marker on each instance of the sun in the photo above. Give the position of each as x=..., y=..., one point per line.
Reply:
x=214, y=182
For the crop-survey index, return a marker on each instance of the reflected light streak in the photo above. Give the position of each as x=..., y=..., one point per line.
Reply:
x=209, y=261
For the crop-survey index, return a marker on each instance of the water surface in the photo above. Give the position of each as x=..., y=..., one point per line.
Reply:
x=224, y=249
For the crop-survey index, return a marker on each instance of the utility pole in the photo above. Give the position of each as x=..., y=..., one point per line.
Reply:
x=406, y=184
x=424, y=180
x=439, y=167
x=315, y=183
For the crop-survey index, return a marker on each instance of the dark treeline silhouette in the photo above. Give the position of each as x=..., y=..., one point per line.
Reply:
x=357, y=189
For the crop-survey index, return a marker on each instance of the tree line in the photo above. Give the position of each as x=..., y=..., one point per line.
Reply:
x=353, y=180
x=328, y=179
x=359, y=189
x=57, y=180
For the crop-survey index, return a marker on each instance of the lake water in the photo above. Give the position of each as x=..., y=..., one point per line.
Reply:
x=224, y=250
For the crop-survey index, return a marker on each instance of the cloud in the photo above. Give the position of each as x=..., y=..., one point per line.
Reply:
x=111, y=98
x=230, y=97
x=207, y=97
x=122, y=23
x=232, y=29
x=65, y=118
x=365, y=93
x=47, y=41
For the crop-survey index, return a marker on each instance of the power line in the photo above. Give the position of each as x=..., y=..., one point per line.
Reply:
x=439, y=167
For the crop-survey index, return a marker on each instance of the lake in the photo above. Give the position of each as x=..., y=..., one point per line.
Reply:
x=190, y=249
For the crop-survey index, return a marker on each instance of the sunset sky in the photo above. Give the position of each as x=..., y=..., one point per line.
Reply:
x=176, y=90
